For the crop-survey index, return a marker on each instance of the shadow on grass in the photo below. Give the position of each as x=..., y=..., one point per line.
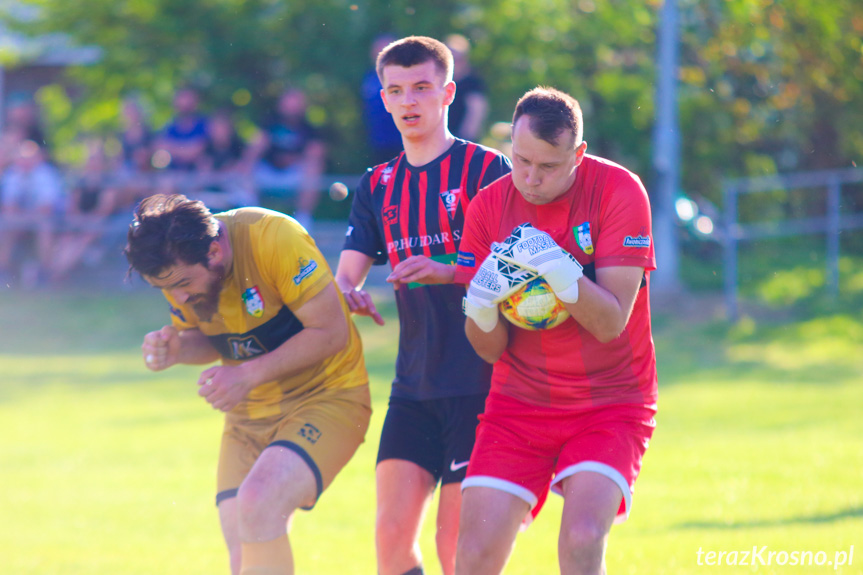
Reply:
x=850, y=513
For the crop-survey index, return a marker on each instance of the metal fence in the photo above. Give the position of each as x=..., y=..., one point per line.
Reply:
x=831, y=224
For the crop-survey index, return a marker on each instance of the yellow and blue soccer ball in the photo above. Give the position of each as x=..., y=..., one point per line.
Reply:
x=534, y=307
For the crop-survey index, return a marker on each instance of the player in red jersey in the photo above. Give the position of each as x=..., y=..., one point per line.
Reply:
x=570, y=407
x=409, y=212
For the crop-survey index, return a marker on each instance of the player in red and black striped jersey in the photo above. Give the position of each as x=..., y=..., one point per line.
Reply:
x=570, y=407
x=409, y=212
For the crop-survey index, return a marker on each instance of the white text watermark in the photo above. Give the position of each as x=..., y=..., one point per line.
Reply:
x=763, y=555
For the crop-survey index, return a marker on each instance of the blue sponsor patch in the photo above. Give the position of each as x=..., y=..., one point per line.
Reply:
x=466, y=259
x=636, y=242
x=306, y=269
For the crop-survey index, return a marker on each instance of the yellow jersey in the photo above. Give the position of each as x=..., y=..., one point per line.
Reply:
x=276, y=268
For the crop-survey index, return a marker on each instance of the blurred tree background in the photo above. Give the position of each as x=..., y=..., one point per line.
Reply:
x=765, y=86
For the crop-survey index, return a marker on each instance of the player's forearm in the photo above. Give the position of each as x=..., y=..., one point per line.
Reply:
x=598, y=311
x=488, y=345
x=196, y=349
x=304, y=350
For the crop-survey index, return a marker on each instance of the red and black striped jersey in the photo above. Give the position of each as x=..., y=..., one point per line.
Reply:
x=400, y=210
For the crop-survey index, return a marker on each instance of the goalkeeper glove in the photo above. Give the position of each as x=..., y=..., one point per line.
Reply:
x=495, y=281
x=534, y=249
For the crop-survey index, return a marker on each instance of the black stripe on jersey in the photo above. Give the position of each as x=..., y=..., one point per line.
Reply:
x=453, y=173
x=260, y=340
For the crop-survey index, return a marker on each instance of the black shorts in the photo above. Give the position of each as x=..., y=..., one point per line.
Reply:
x=436, y=434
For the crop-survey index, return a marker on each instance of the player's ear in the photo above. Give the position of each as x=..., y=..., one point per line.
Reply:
x=449, y=90
x=579, y=152
x=215, y=253
x=384, y=98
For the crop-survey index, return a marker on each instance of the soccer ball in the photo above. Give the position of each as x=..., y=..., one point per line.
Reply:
x=534, y=307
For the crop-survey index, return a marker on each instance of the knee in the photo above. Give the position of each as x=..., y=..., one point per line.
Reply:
x=583, y=538
x=257, y=509
x=472, y=553
x=391, y=533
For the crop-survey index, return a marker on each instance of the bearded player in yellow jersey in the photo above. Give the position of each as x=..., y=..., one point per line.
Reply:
x=250, y=288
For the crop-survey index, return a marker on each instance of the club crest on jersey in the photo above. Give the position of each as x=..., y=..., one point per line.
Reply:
x=391, y=215
x=386, y=174
x=583, y=239
x=306, y=269
x=450, y=200
x=254, y=302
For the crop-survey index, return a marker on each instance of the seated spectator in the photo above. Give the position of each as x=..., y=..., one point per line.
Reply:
x=136, y=141
x=179, y=148
x=291, y=153
x=225, y=167
x=92, y=201
x=24, y=116
x=30, y=194
x=469, y=109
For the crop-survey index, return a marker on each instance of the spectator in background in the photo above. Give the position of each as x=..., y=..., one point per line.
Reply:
x=185, y=137
x=468, y=111
x=225, y=166
x=23, y=116
x=30, y=194
x=136, y=140
x=92, y=201
x=291, y=153
x=384, y=139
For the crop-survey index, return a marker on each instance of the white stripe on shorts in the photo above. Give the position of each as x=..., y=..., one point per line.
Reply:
x=602, y=469
x=501, y=485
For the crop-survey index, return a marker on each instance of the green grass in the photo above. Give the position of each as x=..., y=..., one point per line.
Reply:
x=106, y=468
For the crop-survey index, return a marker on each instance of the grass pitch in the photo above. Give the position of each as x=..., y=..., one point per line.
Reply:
x=106, y=468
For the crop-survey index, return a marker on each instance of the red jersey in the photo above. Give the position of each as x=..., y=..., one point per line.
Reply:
x=603, y=220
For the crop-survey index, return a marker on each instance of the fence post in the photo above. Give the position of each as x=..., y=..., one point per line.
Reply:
x=730, y=251
x=833, y=230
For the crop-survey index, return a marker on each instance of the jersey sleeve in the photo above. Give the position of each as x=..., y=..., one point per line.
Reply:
x=626, y=235
x=476, y=240
x=364, y=234
x=181, y=318
x=499, y=166
x=289, y=259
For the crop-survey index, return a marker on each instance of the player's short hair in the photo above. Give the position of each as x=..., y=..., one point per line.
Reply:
x=168, y=230
x=551, y=113
x=415, y=50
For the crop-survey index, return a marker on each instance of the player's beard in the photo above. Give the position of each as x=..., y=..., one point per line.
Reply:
x=207, y=303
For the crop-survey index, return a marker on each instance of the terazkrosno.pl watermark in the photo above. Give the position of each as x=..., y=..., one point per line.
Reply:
x=763, y=555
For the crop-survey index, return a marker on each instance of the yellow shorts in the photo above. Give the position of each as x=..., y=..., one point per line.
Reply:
x=325, y=429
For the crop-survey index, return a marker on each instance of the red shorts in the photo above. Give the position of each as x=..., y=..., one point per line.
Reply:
x=525, y=449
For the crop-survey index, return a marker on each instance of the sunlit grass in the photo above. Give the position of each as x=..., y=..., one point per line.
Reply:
x=106, y=468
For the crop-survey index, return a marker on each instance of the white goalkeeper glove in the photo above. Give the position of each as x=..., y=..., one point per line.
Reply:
x=495, y=281
x=534, y=249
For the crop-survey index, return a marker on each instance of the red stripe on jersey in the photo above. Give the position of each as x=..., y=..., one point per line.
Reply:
x=388, y=234
x=404, y=213
x=423, y=223
x=443, y=215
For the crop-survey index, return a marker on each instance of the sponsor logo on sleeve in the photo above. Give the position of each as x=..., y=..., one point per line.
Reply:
x=466, y=259
x=254, y=302
x=583, y=239
x=350, y=231
x=310, y=433
x=639, y=241
x=306, y=269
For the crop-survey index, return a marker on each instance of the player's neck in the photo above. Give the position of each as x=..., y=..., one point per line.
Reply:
x=227, y=251
x=420, y=152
